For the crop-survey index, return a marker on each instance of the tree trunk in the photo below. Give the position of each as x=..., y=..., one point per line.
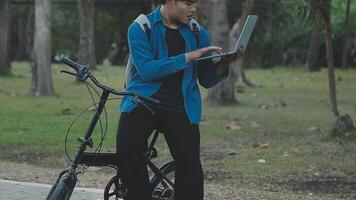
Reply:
x=41, y=64
x=4, y=37
x=21, y=35
x=25, y=34
x=121, y=45
x=330, y=62
x=238, y=77
x=219, y=31
x=30, y=29
x=345, y=51
x=86, y=40
x=313, y=63
x=321, y=9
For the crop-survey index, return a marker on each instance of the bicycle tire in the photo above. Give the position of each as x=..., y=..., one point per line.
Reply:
x=119, y=191
x=158, y=193
x=64, y=188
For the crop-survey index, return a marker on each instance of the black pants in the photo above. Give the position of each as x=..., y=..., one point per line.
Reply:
x=183, y=139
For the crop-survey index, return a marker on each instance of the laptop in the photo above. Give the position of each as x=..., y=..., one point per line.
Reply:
x=244, y=37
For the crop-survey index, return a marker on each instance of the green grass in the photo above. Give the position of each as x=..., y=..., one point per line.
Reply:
x=32, y=129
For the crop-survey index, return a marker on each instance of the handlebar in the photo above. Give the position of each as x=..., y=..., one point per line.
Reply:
x=82, y=73
x=70, y=63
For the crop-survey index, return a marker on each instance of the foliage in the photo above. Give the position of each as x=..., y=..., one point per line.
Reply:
x=281, y=36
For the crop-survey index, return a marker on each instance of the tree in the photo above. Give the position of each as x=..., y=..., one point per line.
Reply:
x=25, y=33
x=4, y=37
x=237, y=69
x=313, y=63
x=86, y=10
x=41, y=60
x=345, y=51
x=320, y=10
x=218, y=28
x=216, y=11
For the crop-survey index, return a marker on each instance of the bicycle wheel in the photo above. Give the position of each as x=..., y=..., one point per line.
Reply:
x=114, y=189
x=161, y=189
x=64, y=188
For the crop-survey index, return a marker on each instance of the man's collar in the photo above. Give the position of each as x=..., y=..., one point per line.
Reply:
x=157, y=15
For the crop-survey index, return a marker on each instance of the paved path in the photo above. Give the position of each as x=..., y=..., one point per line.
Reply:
x=14, y=190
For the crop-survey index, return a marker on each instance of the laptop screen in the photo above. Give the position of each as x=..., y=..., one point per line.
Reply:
x=246, y=32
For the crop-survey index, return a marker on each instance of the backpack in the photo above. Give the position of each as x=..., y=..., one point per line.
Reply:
x=145, y=25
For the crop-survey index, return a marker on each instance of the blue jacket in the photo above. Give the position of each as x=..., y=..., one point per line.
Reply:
x=151, y=61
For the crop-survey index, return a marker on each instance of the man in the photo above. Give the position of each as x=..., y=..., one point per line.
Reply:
x=164, y=68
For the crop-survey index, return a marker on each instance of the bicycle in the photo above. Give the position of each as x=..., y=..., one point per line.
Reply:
x=162, y=180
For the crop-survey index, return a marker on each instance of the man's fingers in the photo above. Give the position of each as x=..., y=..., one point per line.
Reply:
x=211, y=48
x=219, y=51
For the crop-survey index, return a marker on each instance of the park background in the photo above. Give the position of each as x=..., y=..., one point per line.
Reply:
x=280, y=126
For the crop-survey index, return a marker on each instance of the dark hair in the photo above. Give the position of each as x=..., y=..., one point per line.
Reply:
x=164, y=1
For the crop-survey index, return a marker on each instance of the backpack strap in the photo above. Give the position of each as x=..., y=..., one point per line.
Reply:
x=195, y=27
x=145, y=25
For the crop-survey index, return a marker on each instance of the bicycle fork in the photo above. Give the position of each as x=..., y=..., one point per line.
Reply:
x=66, y=181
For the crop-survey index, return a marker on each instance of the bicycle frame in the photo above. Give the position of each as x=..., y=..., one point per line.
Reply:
x=84, y=142
x=69, y=175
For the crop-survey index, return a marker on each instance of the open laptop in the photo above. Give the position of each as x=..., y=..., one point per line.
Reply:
x=242, y=41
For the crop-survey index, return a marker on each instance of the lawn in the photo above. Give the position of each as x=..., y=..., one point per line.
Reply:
x=271, y=154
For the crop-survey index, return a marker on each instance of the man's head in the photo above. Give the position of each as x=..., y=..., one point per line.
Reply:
x=181, y=11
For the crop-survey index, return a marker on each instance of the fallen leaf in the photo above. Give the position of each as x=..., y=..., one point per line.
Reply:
x=314, y=130
x=261, y=146
x=317, y=174
x=240, y=89
x=283, y=104
x=264, y=107
x=296, y=150
x=265, y=145
x=234, y=125
x=66, y=111
x=285, y=154
x=254, y=125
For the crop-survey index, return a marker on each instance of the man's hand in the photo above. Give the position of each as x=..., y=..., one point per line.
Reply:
x=200, y=52
x=224, y=63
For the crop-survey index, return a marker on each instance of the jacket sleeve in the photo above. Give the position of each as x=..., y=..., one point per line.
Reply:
x=141, y=52
x=207, y=69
